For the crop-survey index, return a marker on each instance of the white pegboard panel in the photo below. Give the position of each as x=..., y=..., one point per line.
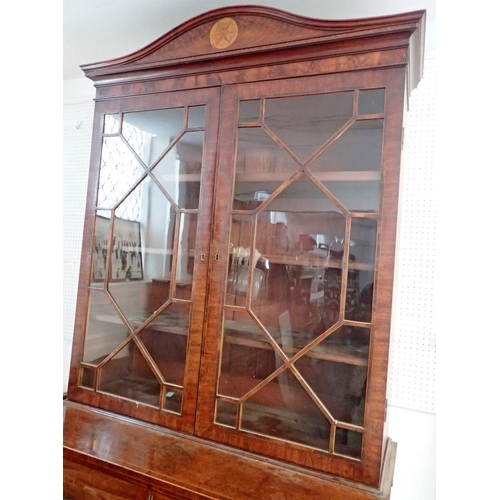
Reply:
x=77, y=130
x=413, y=349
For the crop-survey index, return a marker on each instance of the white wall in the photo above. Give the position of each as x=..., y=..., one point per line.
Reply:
x=415, y=434
x=412, y=419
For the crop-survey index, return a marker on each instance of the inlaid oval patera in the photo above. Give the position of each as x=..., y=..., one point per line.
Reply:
x=223, y=33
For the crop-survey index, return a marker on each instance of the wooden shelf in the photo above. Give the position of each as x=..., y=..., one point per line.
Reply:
x=286, y=401
x=249, y=335
x=315, y=261
x=342, y=176
x=172, y=325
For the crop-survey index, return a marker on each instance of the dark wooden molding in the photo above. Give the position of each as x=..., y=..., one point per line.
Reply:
x=262, y=30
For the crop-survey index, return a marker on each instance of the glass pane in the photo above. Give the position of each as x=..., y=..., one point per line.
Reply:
x=286, y=273
x=358, y=149
x=305, y=123
x=105, y=329
x=142, y=253
x=101, y=247
x=249, y=111
x=348, y=442
x=282, y=409
x=149, y=133
x=126, y=250
x=259, y=154
x=112, y=124
x=238, y=272
x=196, y=116
x=347, y=344
x=248, y=356
x=226, y=413
x=166, y=340
x=371, y=101
x=340, y=386
x=359, y=196
x=130, y=207
x=119, y=172
x=127, y=375
x=350, y=167
x=185, y=255
x=173, y=401
x=361, y=269
x=249, y=195
x=179, y=171
x=87, y=378
x=299, y=240
x=145, y=234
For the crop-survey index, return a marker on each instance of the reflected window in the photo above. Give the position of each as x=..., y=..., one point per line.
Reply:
x=118, y=163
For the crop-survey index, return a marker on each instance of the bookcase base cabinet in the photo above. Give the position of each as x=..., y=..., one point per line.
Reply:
x=233, y=317
x=102, y=460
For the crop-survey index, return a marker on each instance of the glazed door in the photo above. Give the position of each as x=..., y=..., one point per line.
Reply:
x=295, y=357
x=146, y=241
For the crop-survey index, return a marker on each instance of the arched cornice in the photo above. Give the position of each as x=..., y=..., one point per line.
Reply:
x=262, y=29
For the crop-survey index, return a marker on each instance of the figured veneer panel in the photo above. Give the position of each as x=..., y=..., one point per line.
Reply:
x=168, y=461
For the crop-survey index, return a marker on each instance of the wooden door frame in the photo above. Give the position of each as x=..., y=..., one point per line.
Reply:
x=368, y=469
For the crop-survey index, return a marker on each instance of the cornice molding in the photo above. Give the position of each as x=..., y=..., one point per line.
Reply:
x=262, y=29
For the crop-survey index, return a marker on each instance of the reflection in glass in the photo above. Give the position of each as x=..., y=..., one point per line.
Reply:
x=141, y=251
x=307, y=177
x=87, y=378
x=240, y=263
x=111, y=124
x=348, y=442
x=119, y=172
x=258, y=154
x=100, y=251
x=249, y=195
x=350, y=167
x=361, y=269
x=339, y=386
x=149, y=133
x=300, y=241
x=129, y=209
x=359, y=148
x=247, y=355
x=128, y=375
x=249, y=111
x=371, y=101
x=347, y=343
x=226, y=413
x=148, y=242
x=179, y=171
x=305, y=123
x=166, y=341
x=185, y=255
x=282, y=409
x=196, y=116
x=358, y=196
x=173, y=401
x=105, y=329
x=363, y=239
